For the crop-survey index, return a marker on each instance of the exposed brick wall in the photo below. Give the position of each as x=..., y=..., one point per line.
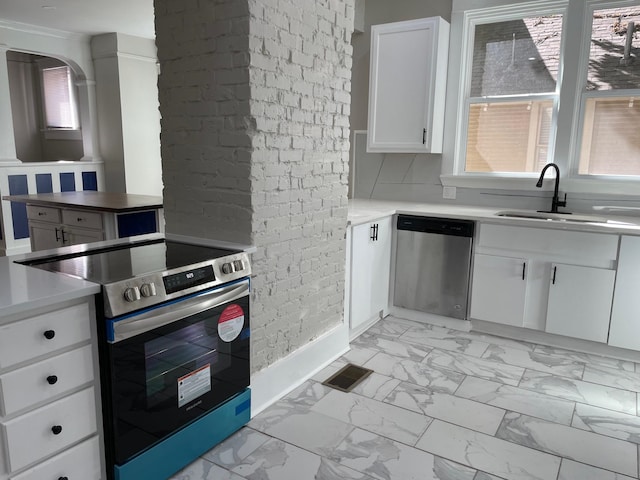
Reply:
x=254, y=97
x=204, y=104
x=300, y=82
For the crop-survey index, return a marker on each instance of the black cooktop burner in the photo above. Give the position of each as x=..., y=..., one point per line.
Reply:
x=119, y=263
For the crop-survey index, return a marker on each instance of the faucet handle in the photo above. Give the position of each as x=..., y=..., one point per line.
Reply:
x=563, y=203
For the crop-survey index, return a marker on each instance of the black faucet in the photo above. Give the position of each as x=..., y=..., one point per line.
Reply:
x=555, y=202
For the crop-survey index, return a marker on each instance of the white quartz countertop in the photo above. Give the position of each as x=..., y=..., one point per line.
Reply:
x=24, y=288
x=365, y=211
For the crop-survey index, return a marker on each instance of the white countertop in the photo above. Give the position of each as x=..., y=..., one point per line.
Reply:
x=365, y=211
x=25, y=288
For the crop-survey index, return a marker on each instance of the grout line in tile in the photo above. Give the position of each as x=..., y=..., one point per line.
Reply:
x=560, y=468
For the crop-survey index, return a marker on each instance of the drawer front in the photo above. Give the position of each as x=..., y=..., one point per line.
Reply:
x=596, y=249
x=43, y=214
x=46, y=333
x=81, y=462
x=84, y=219
x=33, y=436
x=29, y=385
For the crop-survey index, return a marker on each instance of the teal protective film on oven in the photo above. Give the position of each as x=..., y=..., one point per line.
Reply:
x=185, y=446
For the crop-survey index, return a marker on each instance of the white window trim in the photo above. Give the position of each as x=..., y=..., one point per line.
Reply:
x=567, y=128
x=56, y=133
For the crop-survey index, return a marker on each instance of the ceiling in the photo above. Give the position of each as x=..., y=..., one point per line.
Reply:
x=132, y=17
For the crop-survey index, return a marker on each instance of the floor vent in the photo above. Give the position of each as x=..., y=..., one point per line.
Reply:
x=347, y=377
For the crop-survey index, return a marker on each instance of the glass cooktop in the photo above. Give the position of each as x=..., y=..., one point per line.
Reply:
x=119, y=263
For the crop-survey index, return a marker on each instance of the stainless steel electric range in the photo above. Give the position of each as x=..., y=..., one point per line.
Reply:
x=174, y=350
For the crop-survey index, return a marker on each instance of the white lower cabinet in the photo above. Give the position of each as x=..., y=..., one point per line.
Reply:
x=499, y=288
x=369, y=273
x=625, y=317
x=50, y=429
x=553, y=280
x=49, y=394
x=81, y=462
x=580, y=302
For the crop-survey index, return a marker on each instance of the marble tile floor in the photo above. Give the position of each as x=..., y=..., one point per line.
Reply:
x=445, y=405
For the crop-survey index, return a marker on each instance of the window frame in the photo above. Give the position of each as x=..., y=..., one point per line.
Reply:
x=567, y=121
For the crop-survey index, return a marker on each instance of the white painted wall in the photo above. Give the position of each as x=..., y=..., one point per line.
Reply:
x=73, y=49
x=417, y=177
x=24, y=108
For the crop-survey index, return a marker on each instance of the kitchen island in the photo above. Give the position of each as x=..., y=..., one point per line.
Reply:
x=70, y=218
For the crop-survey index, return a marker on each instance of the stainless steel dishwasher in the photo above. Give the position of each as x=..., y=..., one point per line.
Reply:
x=433, y=261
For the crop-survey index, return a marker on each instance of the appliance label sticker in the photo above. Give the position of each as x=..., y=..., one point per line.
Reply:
x=193, y=385
x=231, y=323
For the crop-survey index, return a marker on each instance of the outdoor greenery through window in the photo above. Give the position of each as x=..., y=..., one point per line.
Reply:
x=59, y=98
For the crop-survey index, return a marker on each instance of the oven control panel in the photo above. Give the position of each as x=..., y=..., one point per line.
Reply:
x=145, y=291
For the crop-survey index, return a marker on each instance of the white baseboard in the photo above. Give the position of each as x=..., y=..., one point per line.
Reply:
x=278, y=379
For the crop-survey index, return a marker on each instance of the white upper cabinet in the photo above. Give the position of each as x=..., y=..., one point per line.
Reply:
x=407, y=83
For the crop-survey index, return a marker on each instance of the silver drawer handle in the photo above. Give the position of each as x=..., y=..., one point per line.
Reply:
x=80, y=219
x=42, y=214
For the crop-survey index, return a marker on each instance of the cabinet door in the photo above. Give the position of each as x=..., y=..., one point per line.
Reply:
x=625, y=327
x=406, y=86
x=498, y=289
x=370, y=268
x=45, y=235
x=580, y=302
x=75, y=236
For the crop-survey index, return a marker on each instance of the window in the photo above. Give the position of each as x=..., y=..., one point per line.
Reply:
x=59, y=98
x=545, y=81
x=512, y=94
x=611, y=97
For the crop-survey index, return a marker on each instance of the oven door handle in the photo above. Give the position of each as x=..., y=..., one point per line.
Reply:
x=153, y=319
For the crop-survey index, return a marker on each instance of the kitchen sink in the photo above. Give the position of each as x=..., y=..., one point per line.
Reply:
x=556, y=217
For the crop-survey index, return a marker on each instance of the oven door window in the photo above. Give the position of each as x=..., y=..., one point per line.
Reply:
x=163, y=379
x=186, y=359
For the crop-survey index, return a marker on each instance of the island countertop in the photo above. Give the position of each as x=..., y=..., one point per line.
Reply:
x=90, y=200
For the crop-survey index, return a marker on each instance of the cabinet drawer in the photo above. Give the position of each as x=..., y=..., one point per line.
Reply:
x=32, y=436
x=80, y=218
x=43, y=214
x=81, y=462
x=32, y=384
x=29, y=338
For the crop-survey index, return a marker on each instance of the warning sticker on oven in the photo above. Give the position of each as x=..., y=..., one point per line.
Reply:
x=231, y=323
x=193, y=385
